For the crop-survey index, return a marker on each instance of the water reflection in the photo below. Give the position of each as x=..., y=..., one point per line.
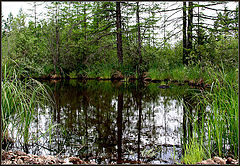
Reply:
x=116, y=122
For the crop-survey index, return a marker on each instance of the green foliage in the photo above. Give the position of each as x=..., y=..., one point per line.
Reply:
x=48, y=69
x=73, y=74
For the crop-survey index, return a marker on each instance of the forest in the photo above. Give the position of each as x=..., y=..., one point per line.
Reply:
x=133, y=45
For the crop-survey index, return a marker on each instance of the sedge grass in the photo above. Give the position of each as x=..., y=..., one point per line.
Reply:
x=223, y=116
x=20, y=100
x=219, y=123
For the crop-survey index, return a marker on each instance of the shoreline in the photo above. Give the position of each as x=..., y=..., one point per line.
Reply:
x=19, y=157
x=195, y=83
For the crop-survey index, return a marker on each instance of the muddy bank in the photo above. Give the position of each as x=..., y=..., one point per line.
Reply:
x=219, y=161
x=19, y=157
x=191, y=83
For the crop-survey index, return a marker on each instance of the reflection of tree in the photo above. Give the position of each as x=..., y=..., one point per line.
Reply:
x=57, y=112
x=184, y=125
x=188, y=106
x=103, y=117
x=139, y=106
x=193, y=110
x=97, y=117
x=119, y=127
x=85, y=110
x=57, y=106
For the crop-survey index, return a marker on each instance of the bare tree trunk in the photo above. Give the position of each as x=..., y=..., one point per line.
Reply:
x=57, y=43
x=149, y=34
x=97, y=21
x=164, y=29
x=190, y=26
x=139, y=42
x=184, y=34
x=119, y=33
x=35, y=14
x=199, y=35
x=198, y=31
x=85, y=22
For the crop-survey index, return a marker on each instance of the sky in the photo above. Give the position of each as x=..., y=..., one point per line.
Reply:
x=14, y=7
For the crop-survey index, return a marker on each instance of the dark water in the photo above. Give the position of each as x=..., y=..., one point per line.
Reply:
x=113, y=122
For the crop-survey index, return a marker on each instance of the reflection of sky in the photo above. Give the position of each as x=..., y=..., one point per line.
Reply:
x=164, y=128
x=169, y=120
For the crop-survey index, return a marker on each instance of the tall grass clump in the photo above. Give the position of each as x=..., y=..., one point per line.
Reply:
x=217, y=130
x=223, y=114
x=179, y=73
x=20, y=100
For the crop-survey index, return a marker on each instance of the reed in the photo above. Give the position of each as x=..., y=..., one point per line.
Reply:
x=20, y=99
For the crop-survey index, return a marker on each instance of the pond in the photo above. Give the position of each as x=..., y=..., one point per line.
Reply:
x=114, y=122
